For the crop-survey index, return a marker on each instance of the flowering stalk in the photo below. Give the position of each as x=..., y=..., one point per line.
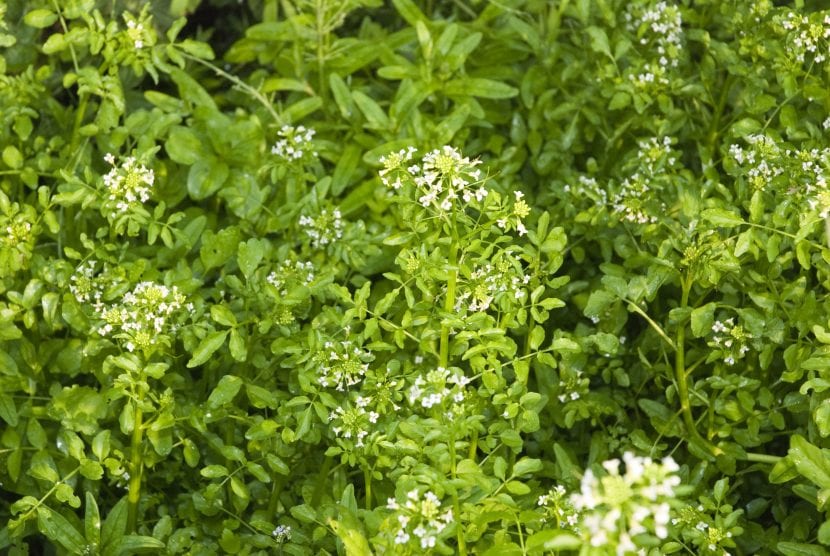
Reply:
x=449, y=305
x=681, y=376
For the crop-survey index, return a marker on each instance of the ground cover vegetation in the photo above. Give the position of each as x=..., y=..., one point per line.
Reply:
x=414, y=277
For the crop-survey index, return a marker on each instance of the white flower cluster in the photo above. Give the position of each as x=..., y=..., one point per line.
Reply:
x=616, y=507
x=559, y=508
x=660, y=27
x=85, y=286
x=281, y=533
x=354, y=421
x=807, y=34
x=631, y=201
x=143, y=315
x=291, y=272
x=128, y=183
x=440, y=388
x=442, y=178
x=587, y=187
x=635, y=200
x=18, y=232
x=760, y=161
x=803, y=172
x=294, y=142
x=656, y=153
x=572, y=384
x=502, y=277
x=520, y=211
x=707, y=536
x=135, y=32
x=323, y=229
x=731, y=339
x=342, y=364
x=419, y=518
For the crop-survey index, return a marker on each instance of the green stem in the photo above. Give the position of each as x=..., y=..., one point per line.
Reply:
x=80, y=114
x=462, y=545
x=321, y=55
x=136, y=467
x=681, y=376
x=367, y=479
x=473, y=445
x=317, y=495
x=46, y=496
x=657, y=328
x=449, y=306
x=239, y=83
x=762, y=458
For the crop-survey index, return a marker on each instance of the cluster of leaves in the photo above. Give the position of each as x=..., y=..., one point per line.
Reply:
x=414, y=277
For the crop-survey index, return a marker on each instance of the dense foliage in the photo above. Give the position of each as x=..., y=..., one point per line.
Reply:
x=414, y=277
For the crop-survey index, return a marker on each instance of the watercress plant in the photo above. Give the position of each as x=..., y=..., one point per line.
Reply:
x=414, y=277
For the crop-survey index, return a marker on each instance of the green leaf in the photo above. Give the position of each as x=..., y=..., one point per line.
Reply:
x=304, y=513
x=342, y=96
x=345, y=169
x=58, y=529
x=662, y=418
x=553, y=539
x=114, y=525
x=92, y=520
x=702, y=319
x=223, y=315
x=824, y=533
x=479, y=87
x=214, y=471
x=449, y=126
x=8, y=410
x=526, y=466
x=40, y=18
x=302, y=108
x=353, y=539
x=207, y=347
x=197, y=48
x=810, y=461
x=261, y=397
x=191, y=90
x=54, y=44
x=800, y=549
x=599, y=41
x=225, y=391
x=205, y=177
x=375, y=116
x=598, y=303
x=237, y=346
x=537, y=336
x=138, y=544
x=722, y=217
x=12, y=157
x=410, y=12
x=185, y=147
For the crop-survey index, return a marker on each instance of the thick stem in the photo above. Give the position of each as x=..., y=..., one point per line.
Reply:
x=317, y=495
x=473, y=445
x=681, y=377
x=274, y=500
x=136, y=468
